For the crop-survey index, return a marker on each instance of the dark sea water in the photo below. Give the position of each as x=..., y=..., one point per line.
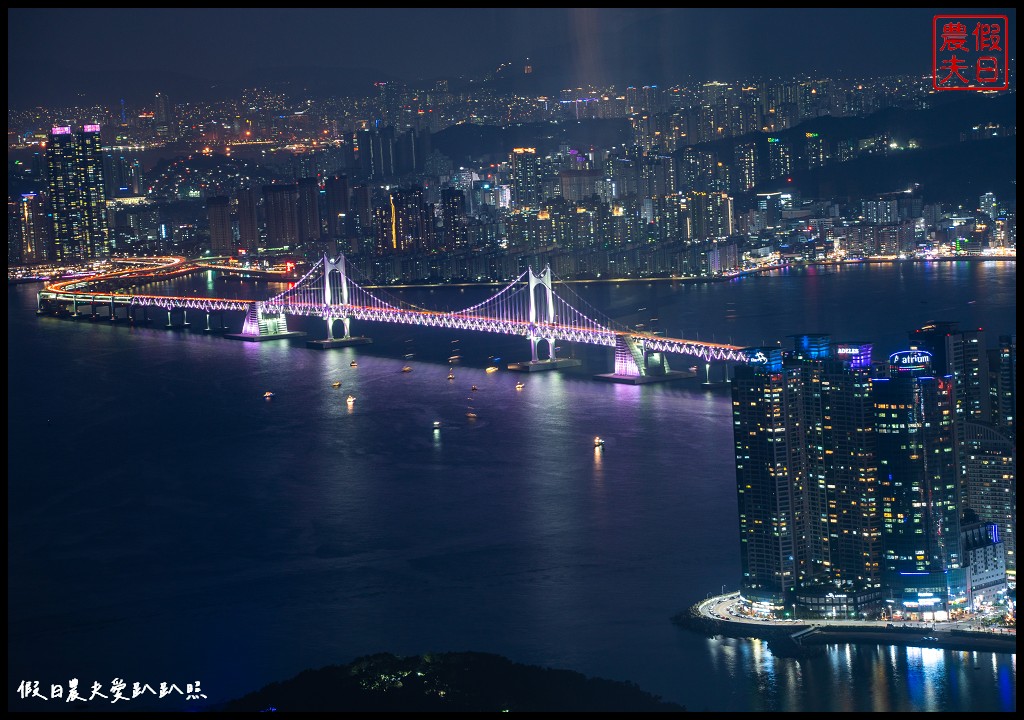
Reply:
x=166, y=523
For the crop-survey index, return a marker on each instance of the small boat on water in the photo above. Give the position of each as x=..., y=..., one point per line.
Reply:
x=268, y=394
x=407, y=369
x=451, y=375
x=454, y=358
x=474, y=388
x=520, y=385
x=354, y=364
x=437, y=424
x=598, y=441
x=351, y=399
x=471, y=415
x=492, y=369
x=336, y=384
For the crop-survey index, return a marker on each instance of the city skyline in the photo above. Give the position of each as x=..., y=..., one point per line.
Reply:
x=351, y=48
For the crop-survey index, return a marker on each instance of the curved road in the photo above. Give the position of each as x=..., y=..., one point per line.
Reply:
x=967, y=634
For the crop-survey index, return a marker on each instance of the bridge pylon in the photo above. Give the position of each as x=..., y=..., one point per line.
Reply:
x=335, y=297
x=336, y=294
x=536, y=328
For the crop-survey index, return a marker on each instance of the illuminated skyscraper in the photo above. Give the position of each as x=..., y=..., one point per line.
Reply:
x=780, y=159
x=78, y=203
x=526, y=178
x=377, y=153
x=35, y=229
x=164, y=121
x=962, y=354
x=989, y=484
x=1003, y=384
x=806, y=472
x=744, y=174
x=711, y=214
x=922, y=563
x=841, y=520
x=453, y=219
x=766, y=481
x=404, y=223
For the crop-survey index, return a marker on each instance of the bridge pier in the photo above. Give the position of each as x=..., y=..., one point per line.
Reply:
x=261, y=324
x=709, y=382
x=332, y=342
x=336, y=296
x=170, y=322
x=220, y=315
x=634, y=365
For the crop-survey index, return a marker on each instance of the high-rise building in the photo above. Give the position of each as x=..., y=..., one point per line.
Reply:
x=847, y=481
x=249, y=220
x=766, y=482
x=922, y=563
x=780, y=159
x=164, y=121
x=815, y=151
x=377, y=153
x=989, y=483
x=711, y=214
x=34, y=229
x=744, y=174
x=362, y=211
x=218, y=212
x=1003, y=384
x=453, y=219
x=280, y=202
x=78, y=202
x=988, y=204
x=404, y=224
x=984, y=559
x=339, y=206
x=769, y=204
x=962, y=355
x=839, y=475
x=807, y=473
x=308, y=208
x=65, y=195
x=526, y=178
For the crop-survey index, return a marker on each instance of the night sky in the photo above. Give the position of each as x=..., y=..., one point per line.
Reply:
x=55, y=52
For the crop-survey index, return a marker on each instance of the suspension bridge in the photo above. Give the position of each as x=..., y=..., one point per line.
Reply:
x=527, y=307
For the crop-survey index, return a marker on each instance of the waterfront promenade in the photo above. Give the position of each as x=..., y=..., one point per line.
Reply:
x=723, y=615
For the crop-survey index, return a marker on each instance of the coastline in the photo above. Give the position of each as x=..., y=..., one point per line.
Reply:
x=670, y=278
x=726, y=276
x=800, y=639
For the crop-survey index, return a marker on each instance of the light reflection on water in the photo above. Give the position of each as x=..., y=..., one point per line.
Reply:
x=302, y=532
x=863, y=678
